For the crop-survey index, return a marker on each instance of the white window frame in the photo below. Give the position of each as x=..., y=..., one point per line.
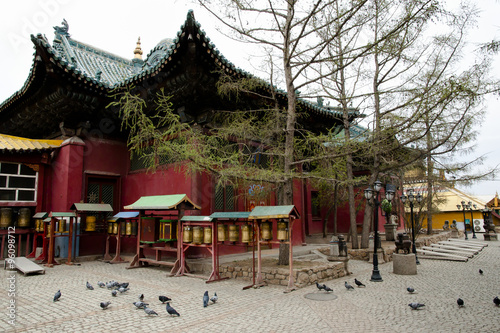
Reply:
x=17, y=189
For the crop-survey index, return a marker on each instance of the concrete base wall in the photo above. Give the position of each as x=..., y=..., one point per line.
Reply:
x=404, y=264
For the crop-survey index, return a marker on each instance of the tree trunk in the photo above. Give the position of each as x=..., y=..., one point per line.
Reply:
x=291, y=119
x=430, y=175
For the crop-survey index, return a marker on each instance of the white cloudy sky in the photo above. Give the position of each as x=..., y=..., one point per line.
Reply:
x=114, y=26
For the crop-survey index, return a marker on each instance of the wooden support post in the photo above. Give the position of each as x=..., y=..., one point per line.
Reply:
x=50, y=257
x=259, y=281
x=26, y=252
x=3, y=245
x=70, y=242
x=291, y=280
x=106, y=252
x=19, y=246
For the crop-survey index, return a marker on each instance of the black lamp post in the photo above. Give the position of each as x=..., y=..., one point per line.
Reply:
x=411, y=198
x=369, y=194
x=463, y=207
x=470, y=205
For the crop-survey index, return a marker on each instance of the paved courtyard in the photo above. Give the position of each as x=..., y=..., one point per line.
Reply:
x=380, y=307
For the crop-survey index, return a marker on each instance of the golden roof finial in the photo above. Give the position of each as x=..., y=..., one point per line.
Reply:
x=138, y=50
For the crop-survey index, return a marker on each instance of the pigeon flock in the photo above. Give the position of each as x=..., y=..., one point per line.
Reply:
x=122, y=288
x=411, y=290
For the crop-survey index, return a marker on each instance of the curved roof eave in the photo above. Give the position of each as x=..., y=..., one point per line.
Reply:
x=223, y=63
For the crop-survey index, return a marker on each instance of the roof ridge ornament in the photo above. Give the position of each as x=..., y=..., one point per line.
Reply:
x=138, y=50
x=62, y=30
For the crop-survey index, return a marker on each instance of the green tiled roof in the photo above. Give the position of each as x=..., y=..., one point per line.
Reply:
x=102, y=71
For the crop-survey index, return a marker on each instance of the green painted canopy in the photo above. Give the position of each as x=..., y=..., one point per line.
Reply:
x=274, y=212
x=91, y=207
x=40, y=215
x=162, y=202
x=62, y=214
x=230, y=215
x=194, y=218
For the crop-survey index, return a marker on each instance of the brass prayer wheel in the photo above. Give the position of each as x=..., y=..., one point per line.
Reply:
x=110, y=227
x=24, y=218
x=187, y=236
x=282, y=231
x=234, y=233
x=123, y=228
x=246, y=235
x=221, y=232
x=207, y=235
x=48, y=229
x=115, y=228
x=266, y=231
x=62, y=225
x=197, y=235
x=90, y=223
x=41, y=225
x=128, y=228
x=5, y=217
x=38, y=225
x=134, y=228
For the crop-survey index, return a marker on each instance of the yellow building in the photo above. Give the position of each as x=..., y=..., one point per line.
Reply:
x=446, y=200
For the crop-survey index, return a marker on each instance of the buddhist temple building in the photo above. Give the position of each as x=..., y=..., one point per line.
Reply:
x=61, y=143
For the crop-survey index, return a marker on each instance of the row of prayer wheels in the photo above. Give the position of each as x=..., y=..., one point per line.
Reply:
x=197, y=234
x=266, y=231
x=231, y=233
x=7, y=217
x=128, y=228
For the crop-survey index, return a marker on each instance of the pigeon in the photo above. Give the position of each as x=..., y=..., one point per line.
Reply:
x=348, y=286
x=359, y=283
x=104, y=305
x=205, y=299
x=122, y=290
x=319, y=286
x=141, y=297
x=415, y=305
x=124, y=285
x=113, y=293
x=326, y=288
x=460, y=302
x=149, y=311
x=171, y=311
x=214, y=298
x=110, y=285
x=140, y=305
x=89, y=286
x=480, y=271
x=57, y=295
x=496, y=300
x=164, y=299
x=101, y=284
x=410, y=290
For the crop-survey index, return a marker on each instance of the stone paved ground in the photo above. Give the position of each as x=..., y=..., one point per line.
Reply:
x=380, y=307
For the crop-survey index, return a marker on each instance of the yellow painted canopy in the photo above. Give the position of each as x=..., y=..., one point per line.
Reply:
x=16, y=143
